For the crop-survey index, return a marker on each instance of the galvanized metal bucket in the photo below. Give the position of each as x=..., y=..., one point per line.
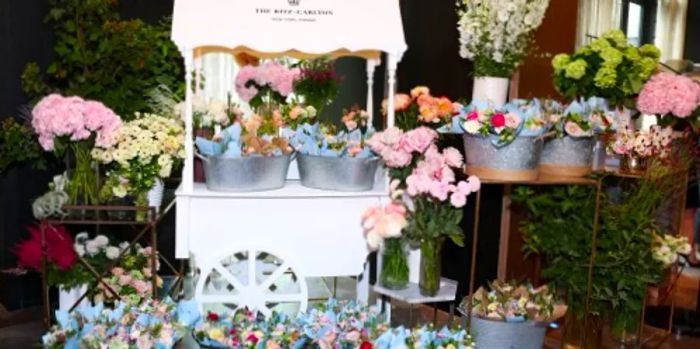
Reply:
x=246, y=174
x=507, y=335
x=338, y=174
x=516, y=161
x=568, y=156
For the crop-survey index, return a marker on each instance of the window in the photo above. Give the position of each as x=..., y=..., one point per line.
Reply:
x=638, y=20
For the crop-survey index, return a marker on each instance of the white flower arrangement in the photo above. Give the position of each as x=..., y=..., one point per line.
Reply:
x=496, y=34
x=209, y=114
x=146, y=148
x=666, y=248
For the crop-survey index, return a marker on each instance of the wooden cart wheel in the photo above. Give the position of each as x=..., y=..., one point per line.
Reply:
x=253, y=278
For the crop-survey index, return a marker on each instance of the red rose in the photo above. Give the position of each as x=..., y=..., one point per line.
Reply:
x=233, y=332
x=212, y=316
x=498, y=120
x=252, y=338
x=473, y=115
x=366, y=345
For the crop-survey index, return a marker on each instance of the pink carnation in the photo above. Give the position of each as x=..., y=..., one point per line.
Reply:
x=418, y=140
x=667, y=93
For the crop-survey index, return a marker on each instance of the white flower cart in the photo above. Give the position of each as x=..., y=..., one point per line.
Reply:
x=257, y=249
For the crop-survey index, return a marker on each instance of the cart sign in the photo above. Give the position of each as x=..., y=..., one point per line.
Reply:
x=310, y=26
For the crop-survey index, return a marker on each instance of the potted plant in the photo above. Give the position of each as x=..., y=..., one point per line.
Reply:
x=609, y=67
x=510, y=315
x=329, y=159
x=496, y=36
x=568, y=147
x=503, y=143
x=76, y=125
x=143, y=153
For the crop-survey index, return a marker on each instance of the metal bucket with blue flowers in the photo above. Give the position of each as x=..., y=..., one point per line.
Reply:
x=503, y=144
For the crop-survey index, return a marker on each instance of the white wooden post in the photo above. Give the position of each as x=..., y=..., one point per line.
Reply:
x=188, y=169
x=391, y=82
x=371, y=65
x=198, y=72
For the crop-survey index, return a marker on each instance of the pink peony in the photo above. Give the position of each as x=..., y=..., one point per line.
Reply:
x=418, y=140
x=667, y=93
x=453, y=157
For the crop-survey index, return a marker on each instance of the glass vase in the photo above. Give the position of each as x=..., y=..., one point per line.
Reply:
x=630, y=164
x=394, y=274
x=574, y=331
x=82, y=178
x=430, y=266
x=624, y=330
x=141, y=201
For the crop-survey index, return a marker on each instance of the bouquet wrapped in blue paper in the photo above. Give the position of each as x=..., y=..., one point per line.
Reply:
x=502, y=125
x=153, y=324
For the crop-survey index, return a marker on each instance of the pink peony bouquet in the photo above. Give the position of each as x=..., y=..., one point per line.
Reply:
x=672, y=98
x=270, y=82
x=73, y=119
x=400, y=150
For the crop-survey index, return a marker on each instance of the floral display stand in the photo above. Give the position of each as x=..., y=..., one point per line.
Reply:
x=256, y=249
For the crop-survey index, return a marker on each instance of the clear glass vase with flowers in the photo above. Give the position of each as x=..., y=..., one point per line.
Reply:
x=72, y=125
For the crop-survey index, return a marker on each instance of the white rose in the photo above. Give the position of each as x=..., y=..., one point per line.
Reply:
x=112, y=252
x=79, y=249
x=92, y=247
x=101, y=240
x=472, y=126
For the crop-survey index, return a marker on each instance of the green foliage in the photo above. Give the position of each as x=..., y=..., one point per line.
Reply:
x=560, y=228
x=100, y=56
x=433, y=220
x=609, y=67
x=19, y=145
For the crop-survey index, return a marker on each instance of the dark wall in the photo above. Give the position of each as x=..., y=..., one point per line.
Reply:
x=692, y=32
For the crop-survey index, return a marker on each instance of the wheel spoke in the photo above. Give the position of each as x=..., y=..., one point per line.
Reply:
x=216, y=298
x=284, y=298
x=232, y=279
x=252, y=260
x=274, y=276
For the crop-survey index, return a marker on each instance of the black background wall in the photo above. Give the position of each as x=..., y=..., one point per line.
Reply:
x=432, y=59
x=692, y=32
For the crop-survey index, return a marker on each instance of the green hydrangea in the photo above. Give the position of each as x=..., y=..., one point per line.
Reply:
x=600, y=44
x=648, y=67
x=632, y=53
x=617, y=37
x=649, y=50
x=611, y=56
x=576, y=69
x=606, y=77
x=560, y=61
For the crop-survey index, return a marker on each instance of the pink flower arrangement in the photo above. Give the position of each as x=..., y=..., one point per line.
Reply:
x=644, y=144
x=669, y=94
x=272, y=75
x=397, y=148
x=380, y=223
x=77, y=119
x=434, y=177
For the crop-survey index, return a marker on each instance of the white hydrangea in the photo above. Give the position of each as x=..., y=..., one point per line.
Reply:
x=92, y=248
x=101, y=241
x=112, y=252
x=497, y=29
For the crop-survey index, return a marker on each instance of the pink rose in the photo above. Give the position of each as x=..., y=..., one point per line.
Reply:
x=419, y=140
x=473, y=115
x=512, y=120
x=117, y=271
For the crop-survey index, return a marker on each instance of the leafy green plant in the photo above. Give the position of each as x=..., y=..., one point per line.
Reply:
x=560, y=230
x=18, y=144
x=100, y=56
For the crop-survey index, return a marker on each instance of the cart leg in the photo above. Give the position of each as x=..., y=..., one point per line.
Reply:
x=362, y=286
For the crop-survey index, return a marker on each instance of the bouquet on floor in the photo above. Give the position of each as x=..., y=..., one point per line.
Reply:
x=145, y=149
x=153, y=324
x=609, y=67
x=75, y=124
x=674, y=99
x=511, y=302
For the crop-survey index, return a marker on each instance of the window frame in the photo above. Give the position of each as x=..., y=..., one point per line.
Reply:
x=648, y=20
